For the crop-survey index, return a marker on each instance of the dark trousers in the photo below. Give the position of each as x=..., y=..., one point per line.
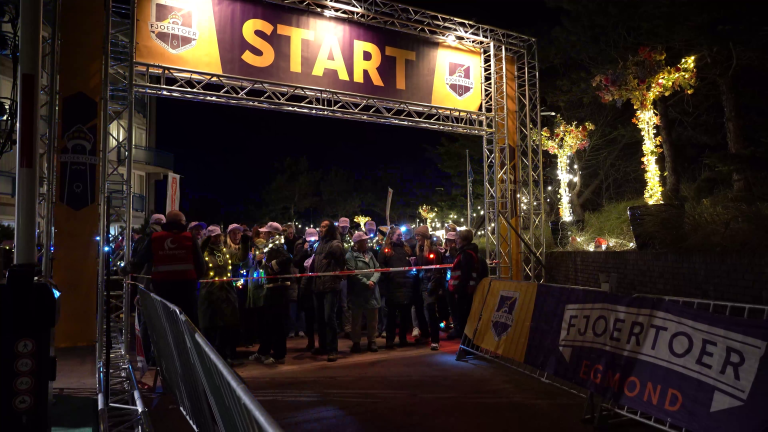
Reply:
x=249, y=320
x=383, y=315
x=309, y=321
x=224, y=340
x=393, y=310
x=421, y=317
x=273, y=341
x=461, y=305
x=180, y=293
x=434, y=322
x=325, y=310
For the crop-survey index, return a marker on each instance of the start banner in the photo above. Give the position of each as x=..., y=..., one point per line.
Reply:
x=295, y=46
x=700, y=371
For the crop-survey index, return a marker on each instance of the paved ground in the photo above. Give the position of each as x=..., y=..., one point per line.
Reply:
x=410, y=389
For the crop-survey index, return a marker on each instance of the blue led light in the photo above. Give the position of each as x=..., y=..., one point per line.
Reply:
x=106, y=248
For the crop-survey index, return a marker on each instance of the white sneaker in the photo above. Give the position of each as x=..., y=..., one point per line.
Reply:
x=290, y=335
x=435, y=347
x=269, y=361
x=301, y=334
x=256, y=357
x=416, y=333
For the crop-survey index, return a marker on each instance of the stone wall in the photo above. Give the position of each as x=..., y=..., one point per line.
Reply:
x=732, y=278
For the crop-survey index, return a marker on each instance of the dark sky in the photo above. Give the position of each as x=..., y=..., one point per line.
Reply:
x=211, y=142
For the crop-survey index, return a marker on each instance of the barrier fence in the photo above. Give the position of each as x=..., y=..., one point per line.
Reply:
x=210, y=394
x=674, y=363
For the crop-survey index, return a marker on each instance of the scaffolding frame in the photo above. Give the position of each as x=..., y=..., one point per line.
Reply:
x=510, y=168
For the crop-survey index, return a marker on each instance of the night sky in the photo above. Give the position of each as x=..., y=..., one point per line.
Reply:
x=211, y=142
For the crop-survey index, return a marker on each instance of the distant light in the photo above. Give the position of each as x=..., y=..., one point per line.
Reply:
x=451, y=39
x=98, y=238
x=106, y=248
x=403, y=228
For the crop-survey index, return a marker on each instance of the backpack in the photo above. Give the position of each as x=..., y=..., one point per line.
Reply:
x=481, y=265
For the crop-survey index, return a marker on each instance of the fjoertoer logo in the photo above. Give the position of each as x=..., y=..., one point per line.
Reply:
x=173, y=25
x=504, y=315
x=459, y=79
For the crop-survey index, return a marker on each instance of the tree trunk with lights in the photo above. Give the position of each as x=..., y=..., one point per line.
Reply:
x=671, y=156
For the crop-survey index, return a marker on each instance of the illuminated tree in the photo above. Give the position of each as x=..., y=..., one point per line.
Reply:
x=427, y=212
x=642, y=80
x=563, y=140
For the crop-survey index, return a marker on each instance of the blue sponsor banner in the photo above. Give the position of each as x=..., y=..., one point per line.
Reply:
x=698, y=370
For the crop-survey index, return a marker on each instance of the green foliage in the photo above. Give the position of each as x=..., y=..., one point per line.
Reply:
x=610, y=222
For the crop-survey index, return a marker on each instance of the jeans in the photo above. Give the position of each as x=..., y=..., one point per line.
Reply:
x=434, y=322
x=371, y=316
x=346, y=314
x=295, y=319
x=383, y=315
x=393, y=310
x=274, y=335
x=309, y=321
x=461, y=305
x=325, y=310
x=421, y=317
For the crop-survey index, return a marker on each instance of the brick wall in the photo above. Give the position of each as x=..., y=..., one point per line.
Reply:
x=732, y=278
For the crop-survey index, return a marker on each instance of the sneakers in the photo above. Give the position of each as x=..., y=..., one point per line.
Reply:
x=258, y=358
x=372, y=347
x=272, y=361
x=390, y=345
x=415, y=333
x=310, y=347
x=318, y=352
x=435, y=347
x=291, y=335
x=383, y=335
x=301, y=334
x=356, y=348
x=332, y=357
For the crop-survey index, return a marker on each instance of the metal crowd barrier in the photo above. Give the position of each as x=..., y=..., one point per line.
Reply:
x=210, y=394
x=604, y=411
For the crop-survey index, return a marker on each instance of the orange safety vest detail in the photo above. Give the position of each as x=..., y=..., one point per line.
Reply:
x=172, y=256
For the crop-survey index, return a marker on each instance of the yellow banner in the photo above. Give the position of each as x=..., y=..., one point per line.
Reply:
x=503, y=310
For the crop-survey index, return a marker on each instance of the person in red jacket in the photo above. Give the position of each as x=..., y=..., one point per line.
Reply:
x=177, y=264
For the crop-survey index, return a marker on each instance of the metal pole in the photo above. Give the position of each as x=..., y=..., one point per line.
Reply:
x=104, y=216
x=53, y=101
x=27, y=153
x=129, y=140
x=469, y=195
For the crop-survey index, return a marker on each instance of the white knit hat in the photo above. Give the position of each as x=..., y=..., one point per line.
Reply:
x=157, y=218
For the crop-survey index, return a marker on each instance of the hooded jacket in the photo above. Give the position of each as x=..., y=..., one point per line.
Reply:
x=464, y=270
x=329, y=257
x=359, y=294
x=428, y=282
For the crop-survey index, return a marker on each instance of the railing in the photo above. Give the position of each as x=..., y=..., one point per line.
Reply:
x=210, y=394
x=116, y=201
x=152, y=156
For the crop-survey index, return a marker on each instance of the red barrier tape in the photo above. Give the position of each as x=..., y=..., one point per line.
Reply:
x=339, y=273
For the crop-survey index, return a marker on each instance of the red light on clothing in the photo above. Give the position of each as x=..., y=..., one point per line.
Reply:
x=431, y=256
x=386, y=250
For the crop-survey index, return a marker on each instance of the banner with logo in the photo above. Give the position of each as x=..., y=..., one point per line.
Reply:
x=506, y=307
x=701, y=371
x=174, y=193
x=295, y=46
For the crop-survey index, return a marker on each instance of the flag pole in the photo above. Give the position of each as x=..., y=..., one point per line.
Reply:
x=469, y=195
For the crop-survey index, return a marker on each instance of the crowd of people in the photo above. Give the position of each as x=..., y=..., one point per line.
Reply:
x=240, y=287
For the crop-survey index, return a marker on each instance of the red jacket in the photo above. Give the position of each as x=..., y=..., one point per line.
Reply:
x=173, y=256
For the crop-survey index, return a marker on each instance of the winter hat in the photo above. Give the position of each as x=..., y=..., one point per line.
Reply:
x=311, y=234
x=272, y=227
x=451, y=235
x=423, y=230
x=343, y=222
x=234, y=227
x=359, y=236
x=214, y=230
x=157, y=219
x=202, y=226
x=370, y=225
x=383, y=230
